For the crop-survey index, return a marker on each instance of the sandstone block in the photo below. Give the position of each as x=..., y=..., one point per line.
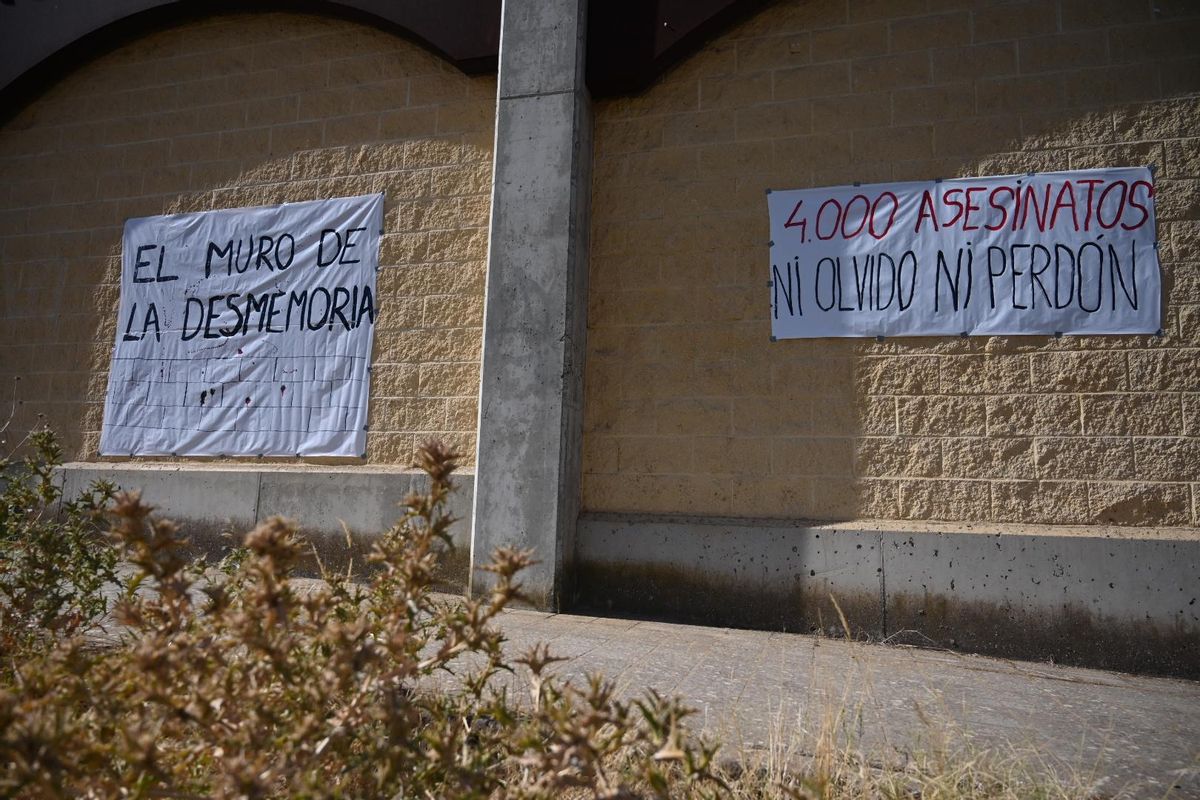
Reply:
x=1065, y=51
x=1191, y=414
x=1132, y=414
x=975, y=61
x=730, y=378
x=936, y=30
x=659, y=455
x=428, y=345
x=1015, y=21
x=352, y=129
x=424, y=414
x=875, y=416
x=390, y=447
x=753, y=416
x=462, y=117
x=1164, y=370
x=398, y=313
x=1183, y=238
x=890, y=72
x=877, y=499
x=1167, y=119
x=774, y=121
x=1139, y=503
x=387, y=415
x=737, y=159
x=988, y=457
x=684, y=416
x=1177, y=200
x=1044, y=415
x=984, y=374
x=815, y=375
x=1155, y=40
x=599, y=455
x=462, y=414
x=893, y=144
x=809, y=456
x=862, y=10
x=905, y=375
x=742, y=455
x=771, y=52
x=897, y=457
x=734, y=91
x=942, y=416
x=849, y=41
x=1103, y=458
x=1017, y=95
x=944, y=500
x=1119, y=155
x=1045, y=502
x=654, y=166
x=452, y=311
x=1104, y=87
x=1048, y=129
x=393, y=380
x=1079, y=372
x=952, y=101
x=1180, y=76
x=1101, y=13
x=448, y=380
x=816, y=80
x=851, y=112
x=1182, y=158
x=1167, y=458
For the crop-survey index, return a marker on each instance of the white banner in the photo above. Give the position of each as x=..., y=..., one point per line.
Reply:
x=246, y=331
x=1050, y=253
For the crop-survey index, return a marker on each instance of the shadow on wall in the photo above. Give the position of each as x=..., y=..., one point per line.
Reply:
x=691, y=409
x=243, y=110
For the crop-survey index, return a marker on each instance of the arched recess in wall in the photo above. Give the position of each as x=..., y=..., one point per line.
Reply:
x=232, y=108
x=41, y=45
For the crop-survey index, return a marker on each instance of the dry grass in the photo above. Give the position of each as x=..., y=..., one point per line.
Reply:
x=240, y=683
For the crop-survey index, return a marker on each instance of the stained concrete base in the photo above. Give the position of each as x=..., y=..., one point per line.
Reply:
x=1116, y=599
x=214, y=503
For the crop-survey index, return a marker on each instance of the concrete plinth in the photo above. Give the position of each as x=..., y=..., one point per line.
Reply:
x=216, y=504
x=527, y=495
x=1115, y=598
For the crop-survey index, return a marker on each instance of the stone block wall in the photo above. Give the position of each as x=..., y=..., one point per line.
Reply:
x=242, y=110
x=691, y=409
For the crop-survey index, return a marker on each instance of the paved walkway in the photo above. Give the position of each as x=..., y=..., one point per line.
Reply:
x=1127, y=736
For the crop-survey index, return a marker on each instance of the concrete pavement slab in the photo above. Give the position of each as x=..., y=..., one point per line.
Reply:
x=1126, y=735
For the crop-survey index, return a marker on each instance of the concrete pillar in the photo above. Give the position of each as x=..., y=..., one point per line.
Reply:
x=530, y=405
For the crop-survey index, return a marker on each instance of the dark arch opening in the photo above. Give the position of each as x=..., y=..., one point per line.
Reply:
x=39, y=47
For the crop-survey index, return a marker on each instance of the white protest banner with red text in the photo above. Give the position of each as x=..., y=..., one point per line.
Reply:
x=246, y=331
x=1060, y=252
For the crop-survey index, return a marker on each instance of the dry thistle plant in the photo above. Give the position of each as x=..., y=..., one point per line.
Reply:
x=53, y=562
x=239, y=686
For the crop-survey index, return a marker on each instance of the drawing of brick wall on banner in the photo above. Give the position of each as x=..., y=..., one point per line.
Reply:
x=246, y=332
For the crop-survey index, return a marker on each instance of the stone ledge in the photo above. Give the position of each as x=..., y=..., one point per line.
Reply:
x=921, y=526
x=212, y=502
x=1113, y=602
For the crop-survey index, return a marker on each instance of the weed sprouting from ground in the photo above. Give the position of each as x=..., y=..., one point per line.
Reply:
x=233, y=682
